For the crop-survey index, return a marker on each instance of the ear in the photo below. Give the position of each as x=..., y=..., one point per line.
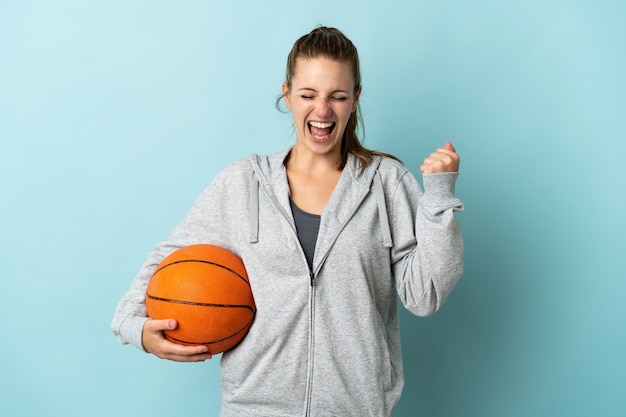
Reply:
x=357, y=94
x=287, y=95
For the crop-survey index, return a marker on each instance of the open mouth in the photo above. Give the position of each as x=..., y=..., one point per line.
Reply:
x=321, y=131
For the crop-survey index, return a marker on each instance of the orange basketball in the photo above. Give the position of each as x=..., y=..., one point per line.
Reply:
x=205, y=288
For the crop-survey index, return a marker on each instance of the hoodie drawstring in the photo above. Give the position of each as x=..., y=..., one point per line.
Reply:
x=382, y=210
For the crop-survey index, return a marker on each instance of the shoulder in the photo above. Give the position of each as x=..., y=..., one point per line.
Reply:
x=263, y=165
x=234, y=172
x=390, y=165
x=240, y=172
x=268, y=167
x=398, y=181
x=393, y=171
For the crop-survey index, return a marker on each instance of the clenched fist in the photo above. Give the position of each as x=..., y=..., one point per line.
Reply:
x=442, y=160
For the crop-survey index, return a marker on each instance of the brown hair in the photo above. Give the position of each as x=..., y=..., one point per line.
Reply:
x=332, y=44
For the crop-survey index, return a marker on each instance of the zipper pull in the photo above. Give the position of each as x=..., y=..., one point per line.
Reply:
x=312, y=279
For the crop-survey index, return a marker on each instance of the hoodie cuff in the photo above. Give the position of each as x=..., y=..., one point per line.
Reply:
x=440, y=186
x=132, y=329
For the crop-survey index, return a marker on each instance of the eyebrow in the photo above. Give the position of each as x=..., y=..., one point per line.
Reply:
x=315, y=91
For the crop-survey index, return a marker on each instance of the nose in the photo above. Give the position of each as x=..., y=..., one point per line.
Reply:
x=323, y=108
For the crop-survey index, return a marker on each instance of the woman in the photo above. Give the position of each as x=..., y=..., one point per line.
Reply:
x=331, y=234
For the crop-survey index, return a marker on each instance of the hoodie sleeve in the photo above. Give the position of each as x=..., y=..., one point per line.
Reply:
x=130, y=314
x=428, y=260
x=208, y=221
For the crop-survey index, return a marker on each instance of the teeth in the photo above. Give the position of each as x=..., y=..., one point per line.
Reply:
x=321, y=125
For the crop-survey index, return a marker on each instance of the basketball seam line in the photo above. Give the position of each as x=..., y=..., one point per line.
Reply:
x=214, y=341
x=195, y=303
x=205, y=262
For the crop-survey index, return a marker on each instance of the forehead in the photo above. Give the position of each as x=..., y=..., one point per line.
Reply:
x=309, y=72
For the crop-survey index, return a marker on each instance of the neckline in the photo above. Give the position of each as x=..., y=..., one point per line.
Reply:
x=306, y=213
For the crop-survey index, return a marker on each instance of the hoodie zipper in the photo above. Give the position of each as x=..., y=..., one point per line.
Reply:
x=311, y=354
x=312, y=283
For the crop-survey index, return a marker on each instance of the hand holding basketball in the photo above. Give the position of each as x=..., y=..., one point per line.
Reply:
x=442, y=160
x=199, y=295
x=154, y=342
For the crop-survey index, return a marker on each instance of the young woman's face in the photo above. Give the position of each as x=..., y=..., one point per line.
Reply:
x=321, y=100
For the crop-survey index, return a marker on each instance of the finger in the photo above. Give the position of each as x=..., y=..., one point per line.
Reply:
x=449, y=147
x=440, y=158
x=440, y=162
x=195, y=358
x=184, y=350
x=187, y=358
x=445, y=155
x=160, y=325
x=429, y=164
x=183, y=353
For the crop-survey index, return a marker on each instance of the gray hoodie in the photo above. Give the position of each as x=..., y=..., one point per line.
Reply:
x=325, y=342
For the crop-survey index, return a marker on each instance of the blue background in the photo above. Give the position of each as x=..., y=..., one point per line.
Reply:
x=114, y=115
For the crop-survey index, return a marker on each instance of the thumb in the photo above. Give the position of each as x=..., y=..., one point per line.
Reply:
x=449, y=147
x=167, y=324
